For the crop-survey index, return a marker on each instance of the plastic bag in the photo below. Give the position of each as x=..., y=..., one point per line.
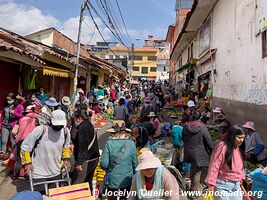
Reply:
x=207, y=197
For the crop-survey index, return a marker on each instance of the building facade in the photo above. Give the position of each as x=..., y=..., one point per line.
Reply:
x=222, y=48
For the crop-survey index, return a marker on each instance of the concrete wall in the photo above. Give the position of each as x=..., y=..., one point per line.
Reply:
x=239, y=112
x=241, y=86
x=241, y=71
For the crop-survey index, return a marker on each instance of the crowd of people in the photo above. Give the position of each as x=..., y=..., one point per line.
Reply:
x=40, y=133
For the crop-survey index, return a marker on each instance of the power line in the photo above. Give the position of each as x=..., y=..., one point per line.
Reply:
x=90, y=13
x=117, y=3
x=93, y=8
x=112, y=13
x=116, y=35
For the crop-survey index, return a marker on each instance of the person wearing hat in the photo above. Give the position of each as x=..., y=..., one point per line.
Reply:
x=82, y=100
x=255, y=148
x=220, y=123
x=50, y=105
x=154, y=119
x=65, y=105
x=26, y=126
x=86, y=150
x=152, y=180
x=146, y=109
x=119, y=159
x=50, y=144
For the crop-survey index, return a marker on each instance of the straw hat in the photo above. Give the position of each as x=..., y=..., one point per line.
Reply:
x=148, y=161
x=66, y=101
x=117, y=126
x=152, y=114
x=249, y=125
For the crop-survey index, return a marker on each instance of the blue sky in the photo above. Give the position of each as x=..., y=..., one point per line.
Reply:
x=142, y=17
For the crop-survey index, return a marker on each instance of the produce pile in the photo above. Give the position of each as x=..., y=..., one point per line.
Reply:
x=250, y=167
x=100, y=121
x=214, y=135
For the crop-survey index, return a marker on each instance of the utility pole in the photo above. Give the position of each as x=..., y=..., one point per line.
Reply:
x=132, y=63
x=83, y=6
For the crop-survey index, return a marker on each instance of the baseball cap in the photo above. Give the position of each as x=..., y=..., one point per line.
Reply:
x=58, y=118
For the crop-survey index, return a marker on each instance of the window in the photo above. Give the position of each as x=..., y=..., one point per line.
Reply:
x=164, y=69
x=205, y=36
x=117, y=57
x=153, y=69
x=136, y=57
x=102, y=56
x=111, y=57
x=136, y=69
x=144, y=70
x=151, y=57
x=264, y=43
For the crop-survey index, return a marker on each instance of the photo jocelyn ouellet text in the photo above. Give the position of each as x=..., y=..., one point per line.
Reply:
x=143, y=192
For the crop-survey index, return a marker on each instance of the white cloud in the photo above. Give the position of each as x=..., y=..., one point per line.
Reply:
x=24, y=20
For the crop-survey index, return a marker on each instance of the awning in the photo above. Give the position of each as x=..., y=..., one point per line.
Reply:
x=56, y=72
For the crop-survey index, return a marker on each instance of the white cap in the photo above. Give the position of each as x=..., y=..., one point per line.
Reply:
x=191, y=104
x=58, y=118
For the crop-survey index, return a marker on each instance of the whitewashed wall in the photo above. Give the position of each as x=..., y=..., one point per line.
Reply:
x=241, y=71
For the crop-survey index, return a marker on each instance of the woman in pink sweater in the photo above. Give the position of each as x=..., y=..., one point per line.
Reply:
x=226, y=169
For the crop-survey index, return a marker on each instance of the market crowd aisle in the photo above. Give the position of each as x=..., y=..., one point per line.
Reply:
x=128, y=138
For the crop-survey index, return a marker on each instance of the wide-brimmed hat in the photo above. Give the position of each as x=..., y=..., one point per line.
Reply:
x=66, y=101
x=249, y=125
x=217, y=110
x=118, y=126
x=58, y=118
x=148, y=161
x=51, y=102
x=191, y=104
x=152, y=114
